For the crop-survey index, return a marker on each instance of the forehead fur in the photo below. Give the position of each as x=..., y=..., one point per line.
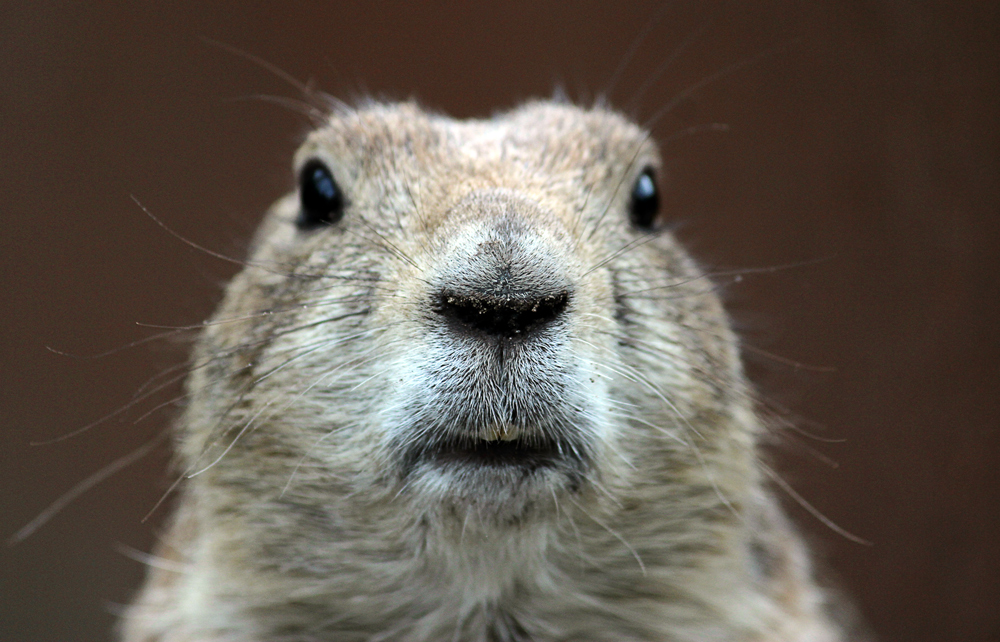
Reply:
x=542, y=135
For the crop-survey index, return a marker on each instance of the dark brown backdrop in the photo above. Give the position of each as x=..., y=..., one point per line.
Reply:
x=867, y=139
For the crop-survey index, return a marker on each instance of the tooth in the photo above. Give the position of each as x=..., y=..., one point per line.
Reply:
x=507, y=432
x=504, y=432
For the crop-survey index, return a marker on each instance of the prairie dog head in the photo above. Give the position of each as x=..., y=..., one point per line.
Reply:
x=469, y=387
x=459, y=332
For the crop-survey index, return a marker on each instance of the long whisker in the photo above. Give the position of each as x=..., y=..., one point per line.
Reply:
x=634, y=48
x=674, y=55
x=711, y=79
x=812, y=510
x=310, y=111
x=202, y=248
x=306, y=89
x=69, y=496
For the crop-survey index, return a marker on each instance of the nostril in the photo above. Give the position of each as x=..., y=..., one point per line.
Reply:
x=501, y=316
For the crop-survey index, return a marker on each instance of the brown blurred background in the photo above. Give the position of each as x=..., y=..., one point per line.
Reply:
x=863, y=149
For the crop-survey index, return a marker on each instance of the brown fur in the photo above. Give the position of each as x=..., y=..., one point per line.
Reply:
x=311, y=511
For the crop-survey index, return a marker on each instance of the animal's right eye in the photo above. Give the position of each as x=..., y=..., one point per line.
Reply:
x=321, y=201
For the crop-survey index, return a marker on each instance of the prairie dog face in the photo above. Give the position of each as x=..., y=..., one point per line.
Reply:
x=465, y=315
x=468, y=387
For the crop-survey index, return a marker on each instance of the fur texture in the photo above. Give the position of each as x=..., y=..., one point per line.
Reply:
x=482, y=406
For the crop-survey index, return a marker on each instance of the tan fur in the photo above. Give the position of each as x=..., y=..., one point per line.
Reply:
x=302, y=519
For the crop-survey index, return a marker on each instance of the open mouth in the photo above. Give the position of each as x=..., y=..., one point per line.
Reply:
x=497, y=451
x=517, y=452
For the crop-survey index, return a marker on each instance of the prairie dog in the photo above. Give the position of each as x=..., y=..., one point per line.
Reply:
x=468, y=387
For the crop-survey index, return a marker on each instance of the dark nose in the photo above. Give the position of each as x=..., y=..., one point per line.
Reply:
x=503, y=277
x=500, y=314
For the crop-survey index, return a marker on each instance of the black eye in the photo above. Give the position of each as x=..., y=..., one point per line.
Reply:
x=321, y=200
x=645, y=202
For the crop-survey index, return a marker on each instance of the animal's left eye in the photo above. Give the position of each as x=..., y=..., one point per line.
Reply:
x=644, y=204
